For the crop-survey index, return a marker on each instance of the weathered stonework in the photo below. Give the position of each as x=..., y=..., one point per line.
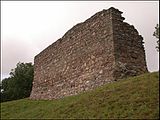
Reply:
x=100, y=50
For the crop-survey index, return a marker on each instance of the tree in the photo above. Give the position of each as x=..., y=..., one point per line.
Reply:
x=156, y=34
x=19, y=84
x=6, y=89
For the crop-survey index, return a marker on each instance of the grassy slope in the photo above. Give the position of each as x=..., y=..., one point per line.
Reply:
x=136, y=97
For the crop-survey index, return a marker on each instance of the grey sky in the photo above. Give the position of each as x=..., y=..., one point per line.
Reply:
x=28, y=27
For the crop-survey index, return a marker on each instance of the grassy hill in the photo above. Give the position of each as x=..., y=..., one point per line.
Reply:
x=136, y=97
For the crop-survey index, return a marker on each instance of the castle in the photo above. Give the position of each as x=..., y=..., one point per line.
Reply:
x=100, y=50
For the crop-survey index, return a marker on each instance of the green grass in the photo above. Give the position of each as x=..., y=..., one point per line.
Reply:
x=135, y=97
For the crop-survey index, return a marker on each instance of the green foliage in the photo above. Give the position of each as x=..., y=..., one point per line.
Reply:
x=156, y=34
x=19, y=84
x=132, y=98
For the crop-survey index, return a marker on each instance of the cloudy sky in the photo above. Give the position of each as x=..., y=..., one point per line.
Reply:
x=28, y=27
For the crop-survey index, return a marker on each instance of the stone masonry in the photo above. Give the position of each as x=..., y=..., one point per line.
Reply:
x=100, y=50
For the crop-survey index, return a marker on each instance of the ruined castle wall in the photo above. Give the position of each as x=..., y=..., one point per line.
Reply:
x=81, y=60
x=100, y=50
x=129, y=49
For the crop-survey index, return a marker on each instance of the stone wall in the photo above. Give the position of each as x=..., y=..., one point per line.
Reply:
x=128, y=49
x=98, y=51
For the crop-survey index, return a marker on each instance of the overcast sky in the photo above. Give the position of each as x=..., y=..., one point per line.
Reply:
x=28, y=27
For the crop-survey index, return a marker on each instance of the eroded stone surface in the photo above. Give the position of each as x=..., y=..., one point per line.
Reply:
x=100, y=50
